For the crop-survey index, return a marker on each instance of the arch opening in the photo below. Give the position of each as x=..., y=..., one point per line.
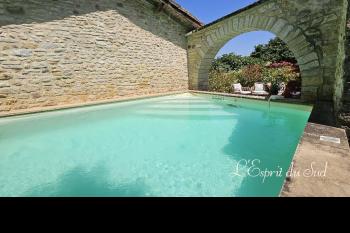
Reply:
x=205, y=43
x=252, y=58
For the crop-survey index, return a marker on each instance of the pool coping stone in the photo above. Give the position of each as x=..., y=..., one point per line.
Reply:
x=314, y=155
x=86, y=104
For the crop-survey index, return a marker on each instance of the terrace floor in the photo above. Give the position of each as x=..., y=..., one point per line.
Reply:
x=320, y=168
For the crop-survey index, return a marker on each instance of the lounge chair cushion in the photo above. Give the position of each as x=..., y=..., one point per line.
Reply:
x=282, y=89
x=237, y=87
x=259, y=87
x=260, y=92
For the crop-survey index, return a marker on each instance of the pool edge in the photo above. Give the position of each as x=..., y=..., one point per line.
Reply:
x=254, y=97
x=86, y=104
x=311, y=148
x=131, y=98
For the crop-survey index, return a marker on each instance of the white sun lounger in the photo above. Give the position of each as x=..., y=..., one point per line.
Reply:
x=238, y=89
x=259, y=89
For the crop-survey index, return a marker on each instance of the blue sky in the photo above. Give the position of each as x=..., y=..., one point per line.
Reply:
x=210, y=10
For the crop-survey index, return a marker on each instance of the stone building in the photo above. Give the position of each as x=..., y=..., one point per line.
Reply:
x=314, y=32
x=54, y=53
x=75, y=51
x=344, y=115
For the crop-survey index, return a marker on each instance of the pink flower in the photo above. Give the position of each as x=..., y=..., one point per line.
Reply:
x=284, y=64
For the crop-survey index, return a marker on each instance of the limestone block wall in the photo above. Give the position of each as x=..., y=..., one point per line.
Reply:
x=344, y=114
x=75, y=51
x=340, y=84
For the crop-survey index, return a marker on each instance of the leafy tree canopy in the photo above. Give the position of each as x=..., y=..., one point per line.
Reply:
x=231, y=61
x=275, y=51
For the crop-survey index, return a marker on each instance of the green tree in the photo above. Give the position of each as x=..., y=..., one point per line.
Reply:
x=232, y=62
x=275, y=51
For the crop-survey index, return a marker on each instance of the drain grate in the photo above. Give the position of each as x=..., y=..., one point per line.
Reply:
x=330, y=139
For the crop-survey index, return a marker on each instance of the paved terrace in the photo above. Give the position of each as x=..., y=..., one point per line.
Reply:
x=333, y=180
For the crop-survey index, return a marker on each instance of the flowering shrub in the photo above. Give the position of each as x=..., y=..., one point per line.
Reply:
x=251, y=74
x=280, y=64
x=278, y=75
x=271, y=63
x=284, y=64
x=222, y=81
x=273, y=74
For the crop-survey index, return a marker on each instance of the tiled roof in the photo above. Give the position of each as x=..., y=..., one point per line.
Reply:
x=185, y=12
x=174, y=9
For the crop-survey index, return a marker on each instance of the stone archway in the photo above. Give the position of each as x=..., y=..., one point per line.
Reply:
x=310, y=28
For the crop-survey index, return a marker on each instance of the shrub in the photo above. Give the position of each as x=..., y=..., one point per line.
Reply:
x=222, y=81
x=232, y=62
x=279, y=75
x=251, y=74
x=281, y=64
x=273, y=73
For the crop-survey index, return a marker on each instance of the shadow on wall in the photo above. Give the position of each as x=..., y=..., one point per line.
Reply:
x=143, y=14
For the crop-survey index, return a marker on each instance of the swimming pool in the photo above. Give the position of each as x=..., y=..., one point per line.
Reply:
x=178, y=145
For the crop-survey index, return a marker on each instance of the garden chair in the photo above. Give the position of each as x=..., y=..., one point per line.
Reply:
x=282, y=89
x=259, y=89
x=280, y=94
x=238, y=89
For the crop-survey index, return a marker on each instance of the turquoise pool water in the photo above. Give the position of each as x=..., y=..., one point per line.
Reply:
x=180, y=145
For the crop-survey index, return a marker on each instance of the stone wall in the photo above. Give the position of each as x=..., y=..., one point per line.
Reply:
x=344, y=115
x=341, y=66
x=75, y=51
x=311, y=29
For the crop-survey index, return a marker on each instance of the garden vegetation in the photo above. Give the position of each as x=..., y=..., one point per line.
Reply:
x=272, y=63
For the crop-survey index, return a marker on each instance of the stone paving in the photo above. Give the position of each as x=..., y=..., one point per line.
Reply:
x=321, y=166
